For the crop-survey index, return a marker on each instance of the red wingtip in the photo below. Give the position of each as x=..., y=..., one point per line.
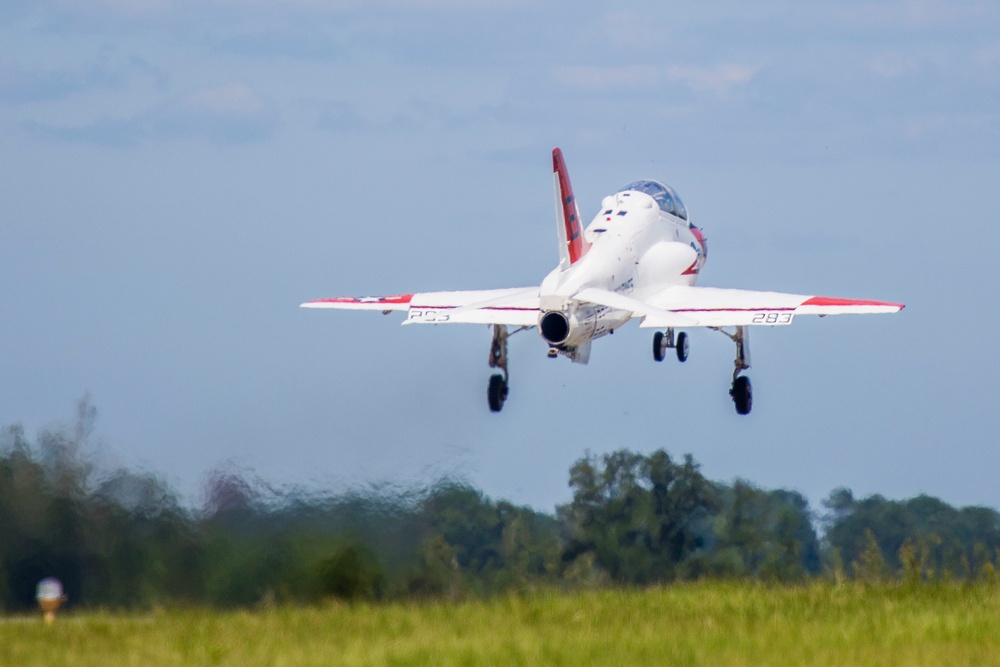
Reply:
x=833, y=301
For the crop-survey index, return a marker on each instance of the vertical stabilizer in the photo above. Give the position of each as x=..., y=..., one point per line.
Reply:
x=572, y=245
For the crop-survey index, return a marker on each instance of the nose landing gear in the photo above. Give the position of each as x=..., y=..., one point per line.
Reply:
x=664, y=341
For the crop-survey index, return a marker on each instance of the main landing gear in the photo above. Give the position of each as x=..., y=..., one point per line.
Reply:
x=496, y=392
x=741, y=390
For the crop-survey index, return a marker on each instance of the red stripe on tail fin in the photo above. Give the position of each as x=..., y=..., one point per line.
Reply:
x=571, y=230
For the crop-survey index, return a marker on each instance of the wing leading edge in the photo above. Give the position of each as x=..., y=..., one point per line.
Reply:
x=715, y=307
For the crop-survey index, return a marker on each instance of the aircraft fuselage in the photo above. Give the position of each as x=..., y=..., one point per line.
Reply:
x=636, y=250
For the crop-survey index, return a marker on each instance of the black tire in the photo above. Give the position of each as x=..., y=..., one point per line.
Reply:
x=658, y=346
x=682, y=347
x=496, y=393
x=742, y=393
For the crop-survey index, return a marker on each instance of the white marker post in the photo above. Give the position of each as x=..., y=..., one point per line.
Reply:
x=50, y=597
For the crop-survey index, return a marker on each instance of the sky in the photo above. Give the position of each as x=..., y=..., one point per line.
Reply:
x=177, y=176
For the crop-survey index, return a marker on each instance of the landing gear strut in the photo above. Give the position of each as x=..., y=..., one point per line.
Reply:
x=496, y=392
x=742, y=390
x=664, y=341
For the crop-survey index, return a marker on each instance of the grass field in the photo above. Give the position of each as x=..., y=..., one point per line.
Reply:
x=688, y=624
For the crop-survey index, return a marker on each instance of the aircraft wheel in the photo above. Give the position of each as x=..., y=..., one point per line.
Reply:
x=658, y=346
x=742, y=393
x=497, y=392
x=682, y=347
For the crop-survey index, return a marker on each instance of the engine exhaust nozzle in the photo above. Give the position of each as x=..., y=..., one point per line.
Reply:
x=554, y=326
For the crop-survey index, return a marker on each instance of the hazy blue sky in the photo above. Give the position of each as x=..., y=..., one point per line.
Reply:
x=178, y=175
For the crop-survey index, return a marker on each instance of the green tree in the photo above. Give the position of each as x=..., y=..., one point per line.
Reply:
x=942, y=537
x=352, y=573
x=641, y=517
x=870, y=565
x=765, y=534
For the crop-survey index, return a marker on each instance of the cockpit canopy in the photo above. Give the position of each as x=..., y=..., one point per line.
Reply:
x=664, y=196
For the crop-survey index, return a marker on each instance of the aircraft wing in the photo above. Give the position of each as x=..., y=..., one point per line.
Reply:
x=382, y=303
x=715, y=307
x=515, y=307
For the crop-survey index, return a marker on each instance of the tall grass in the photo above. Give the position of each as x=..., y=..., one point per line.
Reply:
x=706, y=623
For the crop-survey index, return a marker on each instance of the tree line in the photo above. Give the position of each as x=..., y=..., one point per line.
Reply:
x=124, y=539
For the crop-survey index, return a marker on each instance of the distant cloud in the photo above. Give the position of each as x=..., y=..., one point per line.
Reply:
x=105, y=132
x=340, y=116
x=301, y=42
x=892, y=65
x=21, y=86
x=339, y=5
x=627, y=30
x=949, y=127
x=599, y=77
x=141, y=9
x=228, y=114
x=234, y=100
x=14, y=10
x=344, y=117
x=137, y=8
x=988, y=57
x=718, y=79
x=915, y=14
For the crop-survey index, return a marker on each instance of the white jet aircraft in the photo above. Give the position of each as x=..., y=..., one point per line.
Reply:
x=638, y=258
